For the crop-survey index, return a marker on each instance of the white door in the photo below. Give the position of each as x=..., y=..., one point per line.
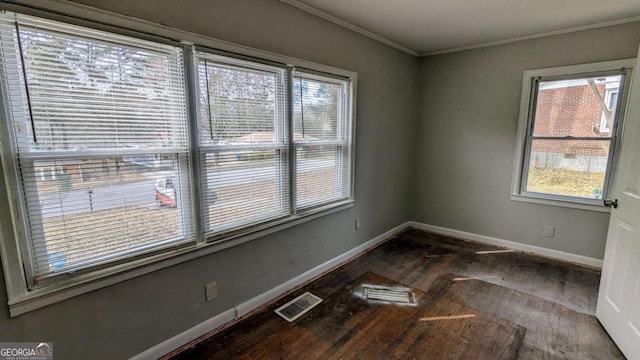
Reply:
x=619, y=298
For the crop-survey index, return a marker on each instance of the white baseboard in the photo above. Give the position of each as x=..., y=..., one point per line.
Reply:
x=185, y=337
x=560, y=255
x=252, y=304
x=281, y=289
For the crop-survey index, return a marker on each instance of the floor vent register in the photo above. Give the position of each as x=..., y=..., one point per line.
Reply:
x=298, y=306
x=389, y=294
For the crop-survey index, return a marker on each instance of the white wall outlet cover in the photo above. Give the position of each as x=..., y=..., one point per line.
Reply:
x=549, y=231
x=211, y=291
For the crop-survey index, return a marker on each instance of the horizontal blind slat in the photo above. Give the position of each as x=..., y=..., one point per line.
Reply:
x=323, y=158
x=242, y=110
x=96, y=98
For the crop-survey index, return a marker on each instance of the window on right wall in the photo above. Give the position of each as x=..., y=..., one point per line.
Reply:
x=570, y=124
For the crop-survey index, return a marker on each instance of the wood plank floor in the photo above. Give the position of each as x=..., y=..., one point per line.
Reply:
x=472, y=301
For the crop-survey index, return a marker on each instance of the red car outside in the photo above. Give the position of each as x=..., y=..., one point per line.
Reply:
x=165, y=193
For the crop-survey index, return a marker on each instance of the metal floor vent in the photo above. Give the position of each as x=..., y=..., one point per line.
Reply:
x=390, y=294
x=298, y=306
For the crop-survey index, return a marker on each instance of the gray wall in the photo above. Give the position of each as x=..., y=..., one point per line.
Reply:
x=127, y=318
x=456, y=175
x=468, y=115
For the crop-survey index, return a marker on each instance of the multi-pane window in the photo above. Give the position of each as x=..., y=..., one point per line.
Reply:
x=321, y=138
x=244, y=143
x=571, y=135
x=105, y=162
x=249, y=151
x=104, y=117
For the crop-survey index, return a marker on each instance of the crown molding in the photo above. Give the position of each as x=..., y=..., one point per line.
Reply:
x=311, y=10
x=532, y=36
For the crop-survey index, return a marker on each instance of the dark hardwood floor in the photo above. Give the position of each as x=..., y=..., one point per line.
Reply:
x=470, y=301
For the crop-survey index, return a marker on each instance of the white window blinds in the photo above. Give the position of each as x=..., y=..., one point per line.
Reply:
x=321, y=139
x=244, y=146
x=104, y=116
x=103, y=160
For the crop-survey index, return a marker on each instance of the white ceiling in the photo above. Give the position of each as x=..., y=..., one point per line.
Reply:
x=433, y=26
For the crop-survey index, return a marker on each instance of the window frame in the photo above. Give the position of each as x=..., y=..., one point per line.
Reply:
x=528, y=102
x=282, y=161
x=21, y=298
x=28, y=159
x=341, y=145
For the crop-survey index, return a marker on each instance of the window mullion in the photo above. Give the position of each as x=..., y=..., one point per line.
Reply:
x=194, y=157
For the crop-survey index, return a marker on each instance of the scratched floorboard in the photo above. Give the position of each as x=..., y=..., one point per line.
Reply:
x=523, y=306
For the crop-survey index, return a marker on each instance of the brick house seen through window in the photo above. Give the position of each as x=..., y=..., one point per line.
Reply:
x=570, y=136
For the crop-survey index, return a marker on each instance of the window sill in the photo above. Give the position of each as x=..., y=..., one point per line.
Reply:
x=544, y=200
x=90, y=281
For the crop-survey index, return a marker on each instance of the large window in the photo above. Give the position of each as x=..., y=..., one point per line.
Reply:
x=96, y=119
x=119, y=152
x=570, y=136
x=244, y=143
x=257, y=162
x=321, y=137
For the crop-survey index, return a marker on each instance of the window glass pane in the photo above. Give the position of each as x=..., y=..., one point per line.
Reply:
x=322, y=175
x=319, y=110
x=96, y=94
x=239, y=105
x=109, y=116
x=245, y=177
x=568, y=167
x=578, y=107
x=611, y=100
x=244, y=187
x=321, y=117
x=96, y=209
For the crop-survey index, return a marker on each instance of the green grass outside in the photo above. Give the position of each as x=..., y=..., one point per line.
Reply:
x=564, y=182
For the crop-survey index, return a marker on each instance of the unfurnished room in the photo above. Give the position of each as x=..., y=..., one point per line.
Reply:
x=317, y=179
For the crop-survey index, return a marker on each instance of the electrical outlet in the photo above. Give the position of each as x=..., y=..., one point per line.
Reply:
x=549, y=231
x=357, y=224
x=211, y=291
